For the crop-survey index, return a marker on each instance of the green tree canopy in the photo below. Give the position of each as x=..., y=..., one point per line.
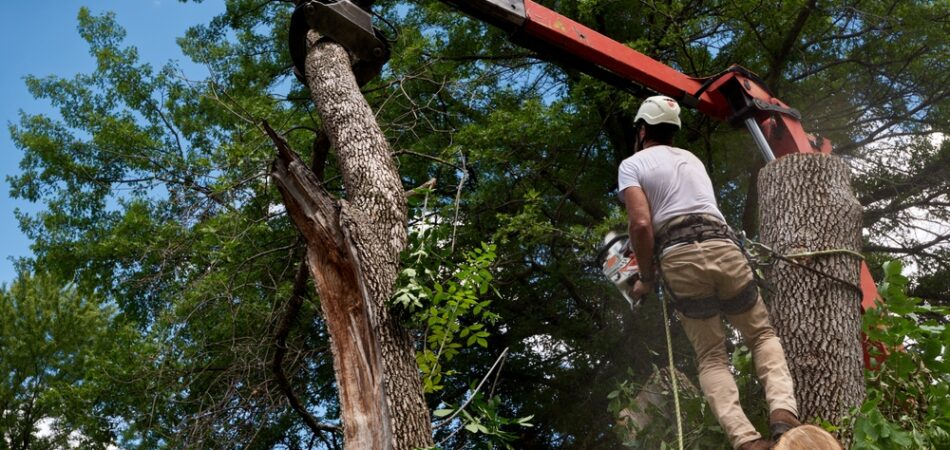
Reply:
x=58, y=348
x=157, y=198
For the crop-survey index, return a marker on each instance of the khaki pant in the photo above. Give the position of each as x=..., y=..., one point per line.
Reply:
x=716, y=270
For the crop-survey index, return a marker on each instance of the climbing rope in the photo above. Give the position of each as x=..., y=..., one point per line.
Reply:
x=759, y=249
x=669, y=354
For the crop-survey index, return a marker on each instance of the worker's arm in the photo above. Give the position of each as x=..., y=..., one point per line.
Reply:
x=640, y=224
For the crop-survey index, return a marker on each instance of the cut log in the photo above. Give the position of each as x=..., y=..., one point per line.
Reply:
x=807, y=437
x=807, y=205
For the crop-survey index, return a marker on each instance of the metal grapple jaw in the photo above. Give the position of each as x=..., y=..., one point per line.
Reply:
x=346, y=23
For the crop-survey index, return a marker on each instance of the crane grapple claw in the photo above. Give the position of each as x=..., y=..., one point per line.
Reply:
x=347, y=24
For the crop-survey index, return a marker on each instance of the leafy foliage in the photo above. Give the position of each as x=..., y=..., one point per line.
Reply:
x=701, y=429
x=908, y=405
x=480, y=417
x=59, y=350
x=448, y=300
x=700, y=426
x=156, y=196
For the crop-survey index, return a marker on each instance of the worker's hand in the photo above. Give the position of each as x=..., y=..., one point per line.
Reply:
x=642, y=288
x=627, y=248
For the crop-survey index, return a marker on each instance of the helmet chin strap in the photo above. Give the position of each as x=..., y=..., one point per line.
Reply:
x=638, y=143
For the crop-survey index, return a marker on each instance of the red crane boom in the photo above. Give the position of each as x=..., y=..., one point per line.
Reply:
x=736, y=95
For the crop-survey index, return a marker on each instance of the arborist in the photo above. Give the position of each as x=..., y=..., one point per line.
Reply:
x=680, y=237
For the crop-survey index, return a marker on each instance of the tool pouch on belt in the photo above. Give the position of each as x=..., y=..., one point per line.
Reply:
x=698, y=228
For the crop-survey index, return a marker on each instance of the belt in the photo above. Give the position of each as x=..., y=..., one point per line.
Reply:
x=691, y=228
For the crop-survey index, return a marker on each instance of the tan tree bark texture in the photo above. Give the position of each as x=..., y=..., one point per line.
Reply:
x=807, y=437
x=374, y=214
x=807, y=204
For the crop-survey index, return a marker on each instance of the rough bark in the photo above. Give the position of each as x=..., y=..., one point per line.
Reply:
x=807, y=204
x=372, y=219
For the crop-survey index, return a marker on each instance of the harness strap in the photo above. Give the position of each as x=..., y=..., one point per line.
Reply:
x=704, y=308
x=691, y=228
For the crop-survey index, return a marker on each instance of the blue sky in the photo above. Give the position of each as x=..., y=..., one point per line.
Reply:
x=41, y=39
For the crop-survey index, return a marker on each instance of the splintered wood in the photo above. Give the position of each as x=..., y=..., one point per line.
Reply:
x=353, y=247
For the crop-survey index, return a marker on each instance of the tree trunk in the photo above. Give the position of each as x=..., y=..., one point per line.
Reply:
x=372, y=224
x=357, y=360
x=807, y=205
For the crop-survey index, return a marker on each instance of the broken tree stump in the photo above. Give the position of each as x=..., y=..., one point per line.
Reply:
x=374, y=216
x=353, y=249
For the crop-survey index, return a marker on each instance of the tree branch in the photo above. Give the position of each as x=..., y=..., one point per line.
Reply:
x=914, y=250
x=356, y=352
x=779, y=57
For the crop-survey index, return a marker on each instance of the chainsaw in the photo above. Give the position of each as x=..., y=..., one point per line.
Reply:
x=619, y=265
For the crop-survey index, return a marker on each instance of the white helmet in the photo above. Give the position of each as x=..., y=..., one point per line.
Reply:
x=659, y=109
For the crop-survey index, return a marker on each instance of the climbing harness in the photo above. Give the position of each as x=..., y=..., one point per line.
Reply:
x=691, y=228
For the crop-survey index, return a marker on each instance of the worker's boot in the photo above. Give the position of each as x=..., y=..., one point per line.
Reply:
x=758, y=444
x=780, y=421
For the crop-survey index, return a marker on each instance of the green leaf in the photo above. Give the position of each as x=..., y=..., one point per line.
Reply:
x=892, y=268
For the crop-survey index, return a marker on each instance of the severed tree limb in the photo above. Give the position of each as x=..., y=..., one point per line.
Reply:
x=654, y=396
x=357, y=359
x=321, y=149
x=807, y=437
x=283, y=330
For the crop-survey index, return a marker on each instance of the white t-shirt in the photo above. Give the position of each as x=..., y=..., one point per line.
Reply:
x=674, y=181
